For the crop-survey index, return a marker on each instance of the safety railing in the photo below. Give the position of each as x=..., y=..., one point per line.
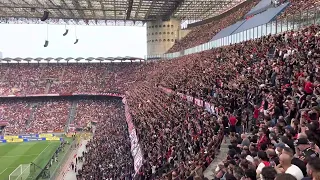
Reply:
x=280, y=24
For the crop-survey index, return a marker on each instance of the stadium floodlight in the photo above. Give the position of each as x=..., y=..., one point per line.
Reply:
x=22, y=172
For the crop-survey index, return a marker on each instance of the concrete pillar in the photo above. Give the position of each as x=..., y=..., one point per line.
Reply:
x=161, y=36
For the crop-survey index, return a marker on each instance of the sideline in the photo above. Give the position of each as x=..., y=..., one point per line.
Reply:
x=61, y=161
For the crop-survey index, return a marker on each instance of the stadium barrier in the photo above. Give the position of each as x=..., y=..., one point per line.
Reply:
x=29, y=137
x=64, y=94
x=136, y=150
x=208, y=106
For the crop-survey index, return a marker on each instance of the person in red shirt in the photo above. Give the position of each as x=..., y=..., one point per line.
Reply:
x=263, y=139
x=255, y=114
x=232, y=122
x=308, y=86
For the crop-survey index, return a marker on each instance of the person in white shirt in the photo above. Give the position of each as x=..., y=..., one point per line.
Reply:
x=285, y=166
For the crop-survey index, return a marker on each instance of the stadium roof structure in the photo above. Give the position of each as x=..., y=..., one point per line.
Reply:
x=71, y=60
x=110, y=12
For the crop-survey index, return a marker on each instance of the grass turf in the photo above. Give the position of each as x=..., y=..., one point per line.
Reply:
x=14, y=154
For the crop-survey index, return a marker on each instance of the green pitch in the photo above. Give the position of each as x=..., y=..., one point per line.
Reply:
x=14, y=154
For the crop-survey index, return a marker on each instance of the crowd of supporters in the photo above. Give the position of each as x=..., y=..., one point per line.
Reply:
x=90, y=110
x=179, y=140
x=49, y=116
x=204, y=33
x=268, y=87
x=109, y=153
x=25, y=79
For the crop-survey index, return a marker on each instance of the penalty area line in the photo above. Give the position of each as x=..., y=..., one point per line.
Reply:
x=4, y=170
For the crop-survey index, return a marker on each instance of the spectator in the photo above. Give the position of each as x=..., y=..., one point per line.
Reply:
x=285, y=166
x=268, y=173
x=285, y=176
x=313, y=168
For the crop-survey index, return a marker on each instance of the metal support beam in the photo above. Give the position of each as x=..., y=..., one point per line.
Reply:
x=138, y=10
x=90, y=6
x=114, y=10
x=70, y=12
x=15, y=4
x=62, y=15
x=77, y=5
x=149, y=10
x=130, y=3
x=102, y=6
x=174, y=9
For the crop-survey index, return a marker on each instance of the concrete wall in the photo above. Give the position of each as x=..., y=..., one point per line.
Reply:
x=182, y=33
x=161, y=35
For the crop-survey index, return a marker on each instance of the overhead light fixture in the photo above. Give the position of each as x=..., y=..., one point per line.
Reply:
x=46, y=43
x=45, y=16
x=67, y=30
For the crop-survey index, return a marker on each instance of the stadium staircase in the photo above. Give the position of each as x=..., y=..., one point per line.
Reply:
x=72, y=114
x=62, y=74
x=30, y=119
x=5, y=75
x=48, y=86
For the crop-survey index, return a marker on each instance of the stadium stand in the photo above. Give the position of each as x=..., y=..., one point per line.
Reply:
x=203, y=33
x=267, y=86
x=104, y=161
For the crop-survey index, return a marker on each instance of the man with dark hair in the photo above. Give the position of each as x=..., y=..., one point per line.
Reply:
x=285, y=176
x=268, y=173
x=250, y=174
x=306, y=151
x=296, y=161
x=263, y=162
x=313, y=167
x=273, y=158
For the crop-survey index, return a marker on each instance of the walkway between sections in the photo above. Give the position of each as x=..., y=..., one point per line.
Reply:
x=209, y=172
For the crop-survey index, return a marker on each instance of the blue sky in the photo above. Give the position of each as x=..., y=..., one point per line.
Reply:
x=27, y=40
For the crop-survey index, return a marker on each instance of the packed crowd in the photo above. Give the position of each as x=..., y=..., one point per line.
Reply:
x=204, y=33
x=49, y=116
x=298, y=6
x=109, y=153
x=274, y=78
x=267, y=86
x=16, y=113
x=179, y=140
x=89, y=110
x=26, y=79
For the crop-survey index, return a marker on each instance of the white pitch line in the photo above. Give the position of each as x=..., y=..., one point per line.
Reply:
x=42, y=152
x=19, y=156
x=3, y=170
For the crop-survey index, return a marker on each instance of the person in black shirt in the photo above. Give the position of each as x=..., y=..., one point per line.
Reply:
x=225, y=123
x=307, y=152
x=239, y=123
